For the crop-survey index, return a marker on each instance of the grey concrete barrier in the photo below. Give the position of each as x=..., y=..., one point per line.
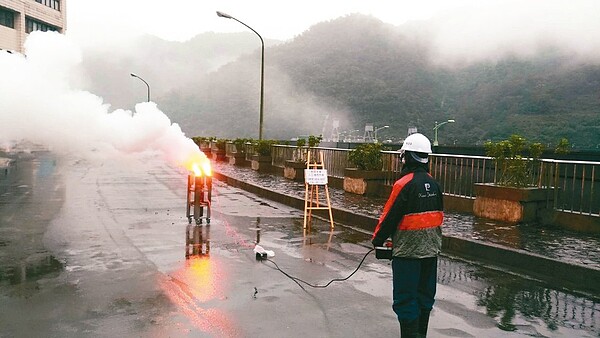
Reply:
x=570, y=275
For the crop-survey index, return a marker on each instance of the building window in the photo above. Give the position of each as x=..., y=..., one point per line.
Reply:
x=7, y=18
x=55, y=4
x=34, y=25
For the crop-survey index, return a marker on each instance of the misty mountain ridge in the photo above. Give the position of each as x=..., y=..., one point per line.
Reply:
x=358, y=69
x=165, y=65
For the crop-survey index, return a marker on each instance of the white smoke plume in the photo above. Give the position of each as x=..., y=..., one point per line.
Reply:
x=39, y=104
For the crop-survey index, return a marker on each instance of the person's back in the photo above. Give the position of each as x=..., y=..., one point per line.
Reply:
x=412, y=217
x=419, y=233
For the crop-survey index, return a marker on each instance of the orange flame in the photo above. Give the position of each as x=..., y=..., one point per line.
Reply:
x=206, y=168
x=196, y=169
x=200, y=166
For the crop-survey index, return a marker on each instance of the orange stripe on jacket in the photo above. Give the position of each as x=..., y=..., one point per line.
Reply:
x=423, y=220
x=396, y=189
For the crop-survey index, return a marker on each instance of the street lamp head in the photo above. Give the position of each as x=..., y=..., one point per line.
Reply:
x=144, y=81
x=386, y=126
x=224, y=15
x=451, y=121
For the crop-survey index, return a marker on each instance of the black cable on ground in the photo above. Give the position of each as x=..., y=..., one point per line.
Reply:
x=298, y=280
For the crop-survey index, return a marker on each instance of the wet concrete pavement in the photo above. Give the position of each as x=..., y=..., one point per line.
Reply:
x=98, y=248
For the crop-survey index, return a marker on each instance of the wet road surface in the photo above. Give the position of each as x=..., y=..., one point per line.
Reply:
x=98, y=248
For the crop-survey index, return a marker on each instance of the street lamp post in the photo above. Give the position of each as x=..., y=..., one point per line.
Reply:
x=435, y=129
x=262, y=71
x=147, y=85
x=378, y=129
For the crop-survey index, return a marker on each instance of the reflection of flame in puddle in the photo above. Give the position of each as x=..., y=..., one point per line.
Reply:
x=190, y=288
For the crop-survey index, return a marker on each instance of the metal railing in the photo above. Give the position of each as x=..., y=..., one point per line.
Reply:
x=336, y=159
x=457, y=174
x=572, y=186
x=230, y=149
x=281, y=153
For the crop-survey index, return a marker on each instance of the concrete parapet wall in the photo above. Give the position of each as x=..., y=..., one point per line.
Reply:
x=458, y=204
x=574, y=221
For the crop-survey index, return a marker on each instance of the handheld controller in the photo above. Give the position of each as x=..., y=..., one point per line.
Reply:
x=384, y=252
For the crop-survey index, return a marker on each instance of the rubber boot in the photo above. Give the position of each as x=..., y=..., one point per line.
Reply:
x=423, y=323
x=409, y=329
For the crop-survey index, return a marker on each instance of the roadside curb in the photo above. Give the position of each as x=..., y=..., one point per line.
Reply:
x=572, y=276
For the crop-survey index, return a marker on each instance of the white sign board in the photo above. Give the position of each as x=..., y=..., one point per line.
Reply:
x=315, y=176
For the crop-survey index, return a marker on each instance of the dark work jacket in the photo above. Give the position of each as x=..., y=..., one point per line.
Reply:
x=412, y=216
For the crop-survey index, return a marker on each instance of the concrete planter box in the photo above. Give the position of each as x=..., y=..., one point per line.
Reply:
x=207, y=151
x=237, y=159
x=509, y=204
x=294, y=170
x=261, y=163
x=363, y=182
x=219, y=155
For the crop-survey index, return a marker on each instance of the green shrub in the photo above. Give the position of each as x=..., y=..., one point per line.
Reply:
x=221, y=143
x=263, y=147
x=367, y=156
x=240, y=144
x=299, y=154
x=563, y=146
x=313, y=141
x=516, y=160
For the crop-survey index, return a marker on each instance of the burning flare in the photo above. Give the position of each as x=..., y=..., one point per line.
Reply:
x=201, y=167
x=196, y=169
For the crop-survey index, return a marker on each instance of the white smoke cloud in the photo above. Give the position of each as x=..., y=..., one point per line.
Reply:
x=38, y=104
x=495, y=29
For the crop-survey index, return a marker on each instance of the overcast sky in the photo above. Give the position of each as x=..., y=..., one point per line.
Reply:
x=180, y=20
x=461, y=30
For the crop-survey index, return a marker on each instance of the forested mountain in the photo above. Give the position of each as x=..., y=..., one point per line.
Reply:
x=358, y=70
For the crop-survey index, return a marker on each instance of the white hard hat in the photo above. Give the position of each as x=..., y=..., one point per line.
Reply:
x=418, y=143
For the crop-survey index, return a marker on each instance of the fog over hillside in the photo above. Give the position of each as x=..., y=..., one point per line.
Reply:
x=515, y=28
x=532, y=70
x=165, y=65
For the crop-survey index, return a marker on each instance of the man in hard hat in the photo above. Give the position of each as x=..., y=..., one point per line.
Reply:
x=412, y=217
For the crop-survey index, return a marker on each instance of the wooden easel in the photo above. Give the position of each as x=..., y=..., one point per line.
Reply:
x=311, y=193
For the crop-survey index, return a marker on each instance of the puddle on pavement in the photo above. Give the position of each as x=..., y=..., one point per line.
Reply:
x=24, y=215
x=515, y=303
x=31, y=270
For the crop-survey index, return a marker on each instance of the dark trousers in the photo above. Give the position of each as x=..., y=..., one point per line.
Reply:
x=414, y=286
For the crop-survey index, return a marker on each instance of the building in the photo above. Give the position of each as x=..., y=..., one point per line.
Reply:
x=18, y=18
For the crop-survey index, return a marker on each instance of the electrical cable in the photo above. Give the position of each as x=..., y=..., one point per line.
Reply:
x=298, y=280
